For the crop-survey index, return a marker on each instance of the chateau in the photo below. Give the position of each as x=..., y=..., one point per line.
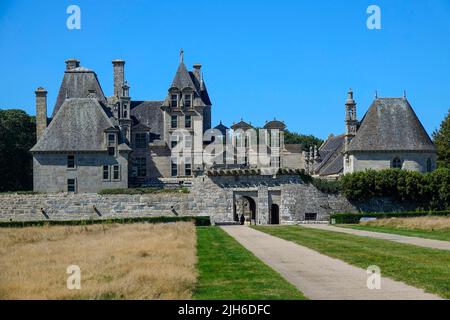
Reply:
x=93, y=141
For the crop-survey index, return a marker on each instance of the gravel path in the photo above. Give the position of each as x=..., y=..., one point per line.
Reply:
x=421, y=242
x=316, y=275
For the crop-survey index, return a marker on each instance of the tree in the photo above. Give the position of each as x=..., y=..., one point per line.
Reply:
x=17, y=137
x=441, y=139
x=305, y=140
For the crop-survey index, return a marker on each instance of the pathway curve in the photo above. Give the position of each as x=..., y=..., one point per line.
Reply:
x=316, y=275
x=421, y=242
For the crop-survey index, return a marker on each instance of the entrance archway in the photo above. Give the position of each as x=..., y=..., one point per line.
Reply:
x=274, y=214
x=246, y=206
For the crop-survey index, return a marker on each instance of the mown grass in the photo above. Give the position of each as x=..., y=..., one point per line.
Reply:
x=427, y=234
x=419, y=267
x=229, y=271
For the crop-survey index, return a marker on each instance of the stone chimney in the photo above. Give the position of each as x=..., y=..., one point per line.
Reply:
x=119, y=76
x=72, y=64
x=197, y=67
x=41, y=111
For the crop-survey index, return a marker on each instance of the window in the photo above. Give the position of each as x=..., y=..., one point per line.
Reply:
x=174, y=169
x=111, y=139
x=71, y=161
x=105, y=172
x=429, y=165
x=140, y=140
x=173, y=142
x=174, y=100
x=116, y=172
x=187, y=169
x=187, y=100
x=71, y=185
x=187, y=121
x=141, y=164
x=310, y=216
x=396, y=163
x=174, y=122
x=111, y=151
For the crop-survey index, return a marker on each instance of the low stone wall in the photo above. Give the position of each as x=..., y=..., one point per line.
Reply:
x=209, y=196
x=63, y=206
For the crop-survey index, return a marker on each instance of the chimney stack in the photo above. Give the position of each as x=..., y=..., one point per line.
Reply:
x=119, y=76
x=41, y=111
x=197, y=68
x=72, y=64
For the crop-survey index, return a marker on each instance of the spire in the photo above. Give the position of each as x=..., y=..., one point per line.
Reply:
x=181, y=55
x=376, y=94
x=202, y=83
x=404, y=94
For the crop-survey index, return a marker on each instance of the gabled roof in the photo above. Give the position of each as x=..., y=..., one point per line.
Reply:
x=331, y=156
x=148, y=113
x=222, y=128
x=78, y=83
x=391, y=124
x=79, y=125
x=275, y=124
x=183, y=78
x=241, y=125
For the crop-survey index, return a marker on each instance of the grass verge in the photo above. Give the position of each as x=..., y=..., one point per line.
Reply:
x=427, y=234
x=419, y=267
x=229, y=271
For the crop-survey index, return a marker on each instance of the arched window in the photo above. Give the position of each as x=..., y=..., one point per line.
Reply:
x=429, y=165
x=396, y=163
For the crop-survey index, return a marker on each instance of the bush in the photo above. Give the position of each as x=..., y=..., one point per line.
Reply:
x=327, y=186
x=199, y=221
x=353, y=218
x=143, y=191
x=430, y=191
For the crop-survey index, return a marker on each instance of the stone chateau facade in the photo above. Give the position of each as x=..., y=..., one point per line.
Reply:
x=93, y=141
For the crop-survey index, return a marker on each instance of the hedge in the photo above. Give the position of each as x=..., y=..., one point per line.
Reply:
x=199, y=221
x=429, y=191
x=353, y=218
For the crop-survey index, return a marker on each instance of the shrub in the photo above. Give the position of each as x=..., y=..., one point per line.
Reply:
x=430, y=191
x=199, y=221
x=327, y=186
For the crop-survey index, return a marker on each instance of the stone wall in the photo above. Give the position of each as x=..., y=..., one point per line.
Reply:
x=214, y=196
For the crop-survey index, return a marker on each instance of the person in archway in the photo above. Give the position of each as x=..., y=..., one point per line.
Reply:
x=242, y=219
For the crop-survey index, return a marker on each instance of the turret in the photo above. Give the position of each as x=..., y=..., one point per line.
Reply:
x=351, y=122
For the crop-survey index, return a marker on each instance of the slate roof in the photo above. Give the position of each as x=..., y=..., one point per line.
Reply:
x=78, y=83
x=331, y=156
x=293, y=147
x=150, y=114
x=241, y=125
x=186, y=79
x=275, y=124
x=222, y=128
x=79, y=125
x=391, y=124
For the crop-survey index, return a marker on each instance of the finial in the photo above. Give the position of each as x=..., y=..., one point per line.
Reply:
x=376, y=94
x=181, y=55
x=404, y=94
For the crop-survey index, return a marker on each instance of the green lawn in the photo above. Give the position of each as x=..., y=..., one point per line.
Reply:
x=435, y=234
x=229, y=271
x=420, y=267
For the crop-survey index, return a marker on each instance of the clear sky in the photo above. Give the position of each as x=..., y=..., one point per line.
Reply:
x=293, y=60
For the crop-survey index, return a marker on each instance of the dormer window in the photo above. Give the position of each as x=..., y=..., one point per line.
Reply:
x=187, y=121
x=112, y=144
x=174, y=100
x=174, y=122
x=188, y=100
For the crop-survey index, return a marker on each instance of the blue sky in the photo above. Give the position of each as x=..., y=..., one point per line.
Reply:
x=293, y=60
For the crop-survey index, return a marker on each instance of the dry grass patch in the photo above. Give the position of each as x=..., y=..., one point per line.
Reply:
x=433, y=223
x=136, y=261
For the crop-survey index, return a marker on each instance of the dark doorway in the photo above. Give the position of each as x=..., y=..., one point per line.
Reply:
x=310, y=216
x=274, y=214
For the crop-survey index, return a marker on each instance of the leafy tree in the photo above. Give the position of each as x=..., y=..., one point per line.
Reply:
x=441, y=139
x=305, y=140
x=17, y=137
